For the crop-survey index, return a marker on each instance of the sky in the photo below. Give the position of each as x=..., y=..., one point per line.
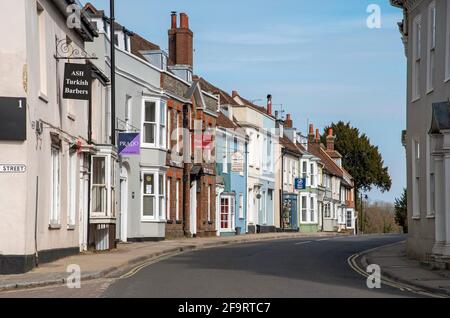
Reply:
x=318, y=59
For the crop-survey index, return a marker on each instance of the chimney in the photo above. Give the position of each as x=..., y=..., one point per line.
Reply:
x=330, y=140
x=311, y=138
x=174, y=20
x=269, y=104
x=288, y=121
x=234, y=94
x=181, y=41
x=317, y=136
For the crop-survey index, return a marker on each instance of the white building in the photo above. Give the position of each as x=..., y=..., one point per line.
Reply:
x=425, y=32
x=44, y=200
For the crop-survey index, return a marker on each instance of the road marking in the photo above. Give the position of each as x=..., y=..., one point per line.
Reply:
x=138, y=268
x=403, y=287
x=301, y=243
x=325, y=239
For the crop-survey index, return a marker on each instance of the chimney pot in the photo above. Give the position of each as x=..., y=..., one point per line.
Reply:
x=317, y=135
x=288, y=122
x=234, y=94
x=184, y=21
x=174, y=20
x=311, y=129
x=269, y=104
x=330, y=132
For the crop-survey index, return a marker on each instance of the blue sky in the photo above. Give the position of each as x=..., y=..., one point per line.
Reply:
x=320, y=62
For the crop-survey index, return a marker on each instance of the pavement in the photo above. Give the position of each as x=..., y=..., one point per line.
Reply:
x=115, y=263
x=410, y=274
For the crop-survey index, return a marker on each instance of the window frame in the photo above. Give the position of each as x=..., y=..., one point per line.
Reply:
x=160, y=124
x=417, y=57
x=55, y=194
x=158, y=216
x=431, y=47
x=71, y=189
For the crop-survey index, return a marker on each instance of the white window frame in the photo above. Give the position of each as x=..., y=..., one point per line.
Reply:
x=447, y=45
x=42, y=41
x=417, y=57
x=160, y=124
x=416, y=156
x=158, y=216
x=431, y=45
x=209, y=202
x=225, y=154
x=312, y=209
x=128, y=112
x=71, y=189
x=168, y=205
x=241, y=206
x=55, y=186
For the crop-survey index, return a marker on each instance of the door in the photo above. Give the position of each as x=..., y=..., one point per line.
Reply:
x=193, y=209
x=226, y=214
x=124, y=205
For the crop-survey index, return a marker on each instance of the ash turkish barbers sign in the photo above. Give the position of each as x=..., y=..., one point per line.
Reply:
x=77, y=81
x=129, y=144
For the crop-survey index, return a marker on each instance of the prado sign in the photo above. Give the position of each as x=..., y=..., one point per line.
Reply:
x=77, y=82
x=129, y=144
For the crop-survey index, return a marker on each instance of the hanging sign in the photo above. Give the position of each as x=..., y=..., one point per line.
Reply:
x=129, y=143
x=300, y=183
x=77, y=81
x=237, y=162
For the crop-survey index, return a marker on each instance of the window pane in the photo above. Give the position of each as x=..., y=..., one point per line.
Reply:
x=161, y=207
x=149, y=133
x=150, y=112
x=98, y=199
x=99, y=165
x=149, y=184
x=161, y=184
x=163, y=114
x=149, y=206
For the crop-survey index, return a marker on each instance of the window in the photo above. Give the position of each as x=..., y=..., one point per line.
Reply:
x=447, y=57
x=179, y=137
x=55, y=217
x=417, y=53
x=128, y=111
x=225, y=208
x=72, y=189
x=177, y=198
x=304, y=209
x=169, y=190
x=170, y=113
x=312, y=210
x=349, y=219
x=225, y=154
x=304, y=170
x=241, y=206
x=416, y=179
x=162, y=201
x=209, y=203
x=153, y=196
x=154, y=124
x=327, y=210
x=431, y=68
x=42, y=40
x=313, y=176
x=99, y=185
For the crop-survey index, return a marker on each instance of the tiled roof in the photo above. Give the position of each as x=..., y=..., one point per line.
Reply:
x=139, y=44
x=289, y=145
x=225, y=98
x=328, y=162
x=225, y=122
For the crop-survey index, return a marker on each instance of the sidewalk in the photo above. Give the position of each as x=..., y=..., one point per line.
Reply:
x=127, y=256
x=397, y=267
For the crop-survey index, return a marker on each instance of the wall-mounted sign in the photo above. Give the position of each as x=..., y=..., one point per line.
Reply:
x=129, y=144
x=237, y=162
x=77, y=81
x=12, y=168
x=300, y=183
x=13, y=118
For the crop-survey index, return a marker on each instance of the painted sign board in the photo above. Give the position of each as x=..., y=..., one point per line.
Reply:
x=237, y=162
x=13, y=118
x=77, y=81
x=129, y=144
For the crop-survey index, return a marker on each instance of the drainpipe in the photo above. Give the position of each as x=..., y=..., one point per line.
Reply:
x=282, y=190
x=185, y=172
x=36, y=223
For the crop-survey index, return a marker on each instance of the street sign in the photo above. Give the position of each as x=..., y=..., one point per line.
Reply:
x=77, y=81
x=12, y=168
x=300, y=183
x=13, y=118
x=129, y=144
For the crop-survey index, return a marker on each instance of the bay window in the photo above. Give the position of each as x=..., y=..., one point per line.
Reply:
x=154, y=124
x=312, y=210
x=99, y=189
x=153, y=196
x=304, y=209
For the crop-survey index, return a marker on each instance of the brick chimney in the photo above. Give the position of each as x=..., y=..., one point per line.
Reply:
x=269, y=105
x=330, y=140
x=311, y=137
x=317, y=136
x=181, y=41
x=288, y=121
x=234, y=94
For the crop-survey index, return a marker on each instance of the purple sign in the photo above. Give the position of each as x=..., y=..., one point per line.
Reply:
x=129, y=144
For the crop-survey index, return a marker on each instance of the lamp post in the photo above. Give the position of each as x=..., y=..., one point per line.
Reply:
x=113, y=72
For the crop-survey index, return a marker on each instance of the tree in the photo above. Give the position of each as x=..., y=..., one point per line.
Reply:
x=360, y=158
x=401, y=213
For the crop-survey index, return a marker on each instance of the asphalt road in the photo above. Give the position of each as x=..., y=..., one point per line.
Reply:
x=290, y=268
x=314, y=267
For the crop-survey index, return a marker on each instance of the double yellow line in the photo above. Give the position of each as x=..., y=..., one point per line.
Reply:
x=352, y=262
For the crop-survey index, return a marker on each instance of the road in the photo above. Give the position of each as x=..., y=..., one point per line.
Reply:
x=313, y=267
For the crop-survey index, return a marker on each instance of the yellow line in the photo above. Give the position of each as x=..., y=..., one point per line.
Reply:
x=403, y=287
x=138, y=268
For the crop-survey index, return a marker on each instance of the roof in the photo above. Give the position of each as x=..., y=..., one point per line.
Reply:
x=251, y=105
x=225, y=122
x=329, y=164
x=290, y=146
x=138, y=44
x=440, y=117
x=225, y=98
